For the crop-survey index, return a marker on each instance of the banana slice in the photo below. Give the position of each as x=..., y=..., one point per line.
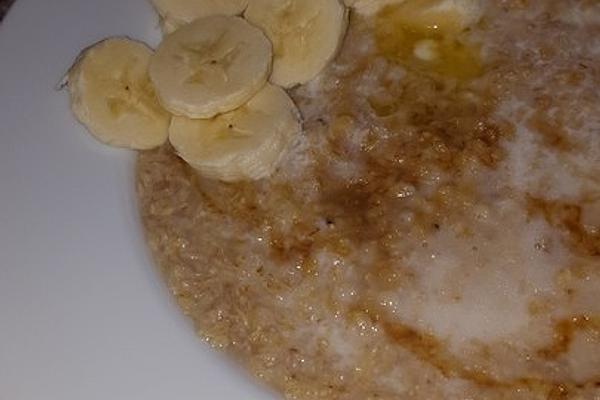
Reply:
x=245, y=144
x=176, y=13
x=306, y=35
x=111, y=94
x=211, y=66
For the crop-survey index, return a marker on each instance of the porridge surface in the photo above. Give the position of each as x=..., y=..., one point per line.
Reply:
x=432, y=235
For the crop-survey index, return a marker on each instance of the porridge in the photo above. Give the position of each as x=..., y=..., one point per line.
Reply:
x=434, y=233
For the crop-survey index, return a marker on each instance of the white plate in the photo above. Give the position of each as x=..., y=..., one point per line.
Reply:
x=83, y=313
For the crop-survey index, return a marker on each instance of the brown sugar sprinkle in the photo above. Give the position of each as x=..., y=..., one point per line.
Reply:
x=429, y=348
x=413, y=128
x=564, y=334
x=568, y=218
x=433, y=351
x=551, y=132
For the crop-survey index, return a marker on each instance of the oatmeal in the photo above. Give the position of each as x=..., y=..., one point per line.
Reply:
x=433, y=234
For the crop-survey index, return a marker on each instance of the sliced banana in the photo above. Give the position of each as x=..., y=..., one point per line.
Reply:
x=176, y=13
x=245, y=144
x=111, y=94
x=306, y=35
x=211, y=66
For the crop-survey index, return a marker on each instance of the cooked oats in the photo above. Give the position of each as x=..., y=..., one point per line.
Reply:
x=432, y=235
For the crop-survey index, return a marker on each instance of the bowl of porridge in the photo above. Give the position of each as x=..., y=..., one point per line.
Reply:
x=372, y=200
